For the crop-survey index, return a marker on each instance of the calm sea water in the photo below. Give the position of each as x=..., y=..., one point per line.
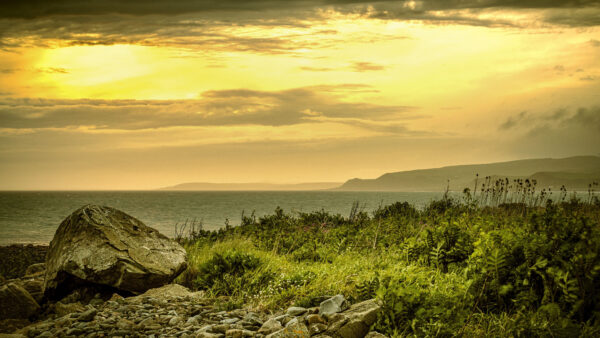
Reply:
x=33, y=217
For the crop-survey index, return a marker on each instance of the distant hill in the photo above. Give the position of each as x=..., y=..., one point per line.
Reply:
x=574, y=172
x=253, y=186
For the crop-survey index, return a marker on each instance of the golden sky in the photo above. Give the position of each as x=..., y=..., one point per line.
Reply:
x=138, y=95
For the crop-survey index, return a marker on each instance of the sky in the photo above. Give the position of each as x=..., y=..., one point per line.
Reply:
x=110, y=94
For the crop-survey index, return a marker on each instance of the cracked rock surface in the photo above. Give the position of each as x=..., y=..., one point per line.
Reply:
x=104, y=246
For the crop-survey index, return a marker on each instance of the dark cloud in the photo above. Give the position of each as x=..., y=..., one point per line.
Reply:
x=560, y=132
x=586, y=117
x=50, y=70
x=188, y=22
x=587, y=78
x=185, y=31
x=575, y=17
x=513, y=121
x=213, y=108
x=561, y=119
x=42, y=8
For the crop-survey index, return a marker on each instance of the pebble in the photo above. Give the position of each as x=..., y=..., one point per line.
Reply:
x=187, y=318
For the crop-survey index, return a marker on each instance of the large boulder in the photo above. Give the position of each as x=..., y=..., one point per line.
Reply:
x=103, y=246
x=16, y=302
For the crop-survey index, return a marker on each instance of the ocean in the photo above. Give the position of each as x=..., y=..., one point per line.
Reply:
x=33, y=217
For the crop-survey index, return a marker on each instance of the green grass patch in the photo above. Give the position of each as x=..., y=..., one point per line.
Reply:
x=455, y=268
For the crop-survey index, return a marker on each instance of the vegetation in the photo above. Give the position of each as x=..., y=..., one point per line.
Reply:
x=503, y=262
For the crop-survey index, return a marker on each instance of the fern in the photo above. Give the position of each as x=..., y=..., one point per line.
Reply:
x=496, y=264
x=368, y=288
x=438, y=257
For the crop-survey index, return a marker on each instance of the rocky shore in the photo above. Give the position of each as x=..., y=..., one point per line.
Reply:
x=174, y=311
x=106, y=274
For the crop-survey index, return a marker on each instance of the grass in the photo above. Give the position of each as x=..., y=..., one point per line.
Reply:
x=457, y=267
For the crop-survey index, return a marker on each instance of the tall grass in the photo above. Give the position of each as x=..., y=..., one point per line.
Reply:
x=506, y=261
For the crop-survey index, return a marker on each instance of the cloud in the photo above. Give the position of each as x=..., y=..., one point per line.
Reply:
x=40, y=8
x=366, y=67
x=563, y=132
x=513, y=121
x=318, y=69
x=561, y=119
x=359, y=67
x=212, y=108
x=212, y=24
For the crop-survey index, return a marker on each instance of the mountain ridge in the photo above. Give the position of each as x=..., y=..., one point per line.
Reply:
x=458, y=177
x=206, y=186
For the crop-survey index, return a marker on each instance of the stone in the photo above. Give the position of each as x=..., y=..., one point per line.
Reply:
x=270, y=326
x=35, y=269
x=35, y=287
x=295, y=311
x=315, y=319
x=11, y=325
x=16, y=302
x=234, y=333
x=221, y=328
x=203, y=334
x=333, y=305
x=356, y=321
x=88, y=315
x=230, y=320
x=317, y=328
x=174, y=321
x=165, y=293
x=375, y=334
x=294, y=329
x=353, y=329
x=104, y=246
x=62, y=309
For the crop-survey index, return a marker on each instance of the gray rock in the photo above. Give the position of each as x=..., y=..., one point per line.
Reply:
x=88, y=315
x=356, y=321
x=35, y=287
x=204, y=334
x=295, y=311
x=62, y=309
x=315, y=319
x=105, y=246
x=270, y=326
x=333, y=305
x=16, y=302
x=374, y=334
x=35, y=269
x=230, y=320
x=192, y=321
x=294, y=329
x=317, y=328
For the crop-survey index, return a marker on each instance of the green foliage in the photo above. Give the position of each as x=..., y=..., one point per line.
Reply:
x=494, y=264
x=224, y=274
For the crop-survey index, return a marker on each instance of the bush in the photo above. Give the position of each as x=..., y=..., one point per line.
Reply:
x=225, y=274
